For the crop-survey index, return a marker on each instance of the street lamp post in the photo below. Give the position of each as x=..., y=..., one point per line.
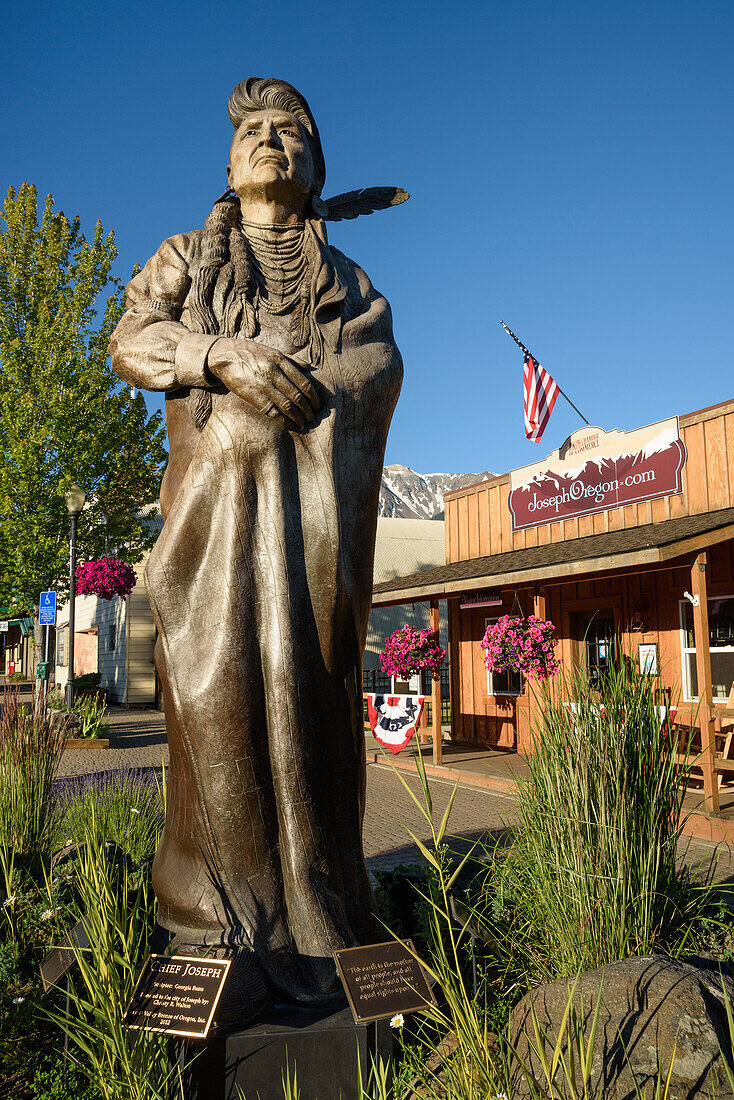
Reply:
x=74, y=498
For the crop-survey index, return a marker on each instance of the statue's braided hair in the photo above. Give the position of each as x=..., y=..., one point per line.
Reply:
x=225, y=258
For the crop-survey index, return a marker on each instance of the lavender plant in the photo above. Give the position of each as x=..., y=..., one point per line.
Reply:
x=127, y=805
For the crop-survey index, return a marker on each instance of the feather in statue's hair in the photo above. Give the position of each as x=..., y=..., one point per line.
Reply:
x=353, y=203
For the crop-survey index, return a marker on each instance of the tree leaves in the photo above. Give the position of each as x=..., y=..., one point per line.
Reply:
x=64, y=416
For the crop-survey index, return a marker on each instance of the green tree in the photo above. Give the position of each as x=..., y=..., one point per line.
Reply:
x=64, y=416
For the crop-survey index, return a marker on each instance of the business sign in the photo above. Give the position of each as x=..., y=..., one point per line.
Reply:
x=47, y=609
x=596, y=470
x=491, y=598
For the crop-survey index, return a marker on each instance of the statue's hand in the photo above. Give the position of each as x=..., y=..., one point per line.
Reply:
x=272, y=383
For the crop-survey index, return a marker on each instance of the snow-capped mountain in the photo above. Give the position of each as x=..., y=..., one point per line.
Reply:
x=405, y=494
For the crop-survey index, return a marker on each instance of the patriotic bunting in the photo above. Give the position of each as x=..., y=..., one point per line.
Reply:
x=393, y=719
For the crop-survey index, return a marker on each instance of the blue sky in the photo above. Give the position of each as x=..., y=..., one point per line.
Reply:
x=570, y=166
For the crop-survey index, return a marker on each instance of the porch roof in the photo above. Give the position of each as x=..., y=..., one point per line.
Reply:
x=649, y=544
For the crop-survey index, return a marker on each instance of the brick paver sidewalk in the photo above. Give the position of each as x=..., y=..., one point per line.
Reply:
x=138, y=740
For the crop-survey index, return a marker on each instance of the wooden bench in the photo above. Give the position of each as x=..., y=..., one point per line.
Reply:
x=724, y=736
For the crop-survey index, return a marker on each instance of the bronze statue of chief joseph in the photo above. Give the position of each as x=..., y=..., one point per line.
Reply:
x=281, y=374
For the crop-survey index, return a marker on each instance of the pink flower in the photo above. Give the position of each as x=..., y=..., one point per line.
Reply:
x=407, y=651
x=523, y=644
x=106, y=578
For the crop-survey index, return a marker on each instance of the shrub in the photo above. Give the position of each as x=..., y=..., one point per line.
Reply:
x=55, y=698
x=88, y=682
x=54, y=1082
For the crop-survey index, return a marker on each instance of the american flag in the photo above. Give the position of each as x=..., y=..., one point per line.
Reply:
x=541, y=393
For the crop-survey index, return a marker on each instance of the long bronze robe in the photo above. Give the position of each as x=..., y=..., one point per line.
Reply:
x=260, y=585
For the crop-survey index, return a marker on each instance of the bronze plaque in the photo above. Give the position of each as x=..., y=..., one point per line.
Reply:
x=383, y=979
x=177, y=994
x=62, y=958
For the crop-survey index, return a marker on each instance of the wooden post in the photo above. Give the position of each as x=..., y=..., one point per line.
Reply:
x=526, y=744
x=705, y=688
x=454, y=612
x=423, y=735
x=436, y=694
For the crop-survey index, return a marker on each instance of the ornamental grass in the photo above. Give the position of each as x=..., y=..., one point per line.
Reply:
x=30, y=748
x=592, y=876
x=118, y=910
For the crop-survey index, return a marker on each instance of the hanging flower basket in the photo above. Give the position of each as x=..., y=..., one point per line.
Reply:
x=106, y=578
x=407, y=651
x=521, y=645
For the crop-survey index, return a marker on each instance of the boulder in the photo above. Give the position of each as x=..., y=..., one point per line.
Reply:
x=654, y=1010
x=61, y=721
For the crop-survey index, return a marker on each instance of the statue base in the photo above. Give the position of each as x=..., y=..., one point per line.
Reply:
x=324, y=1046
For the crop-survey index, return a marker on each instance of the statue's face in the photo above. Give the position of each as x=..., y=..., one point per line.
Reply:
x=270, y=154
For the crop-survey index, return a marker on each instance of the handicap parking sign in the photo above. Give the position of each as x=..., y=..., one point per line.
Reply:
x=47, y=612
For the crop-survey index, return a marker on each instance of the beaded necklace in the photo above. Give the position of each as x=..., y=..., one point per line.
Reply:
x=278, y=264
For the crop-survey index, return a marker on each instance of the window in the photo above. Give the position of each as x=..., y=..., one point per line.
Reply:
x=111, y=637
x=721, y=644
x=503, y=683
x=61, y=645
x=375, y=680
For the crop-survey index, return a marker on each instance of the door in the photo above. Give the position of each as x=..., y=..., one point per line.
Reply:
x=598, y=642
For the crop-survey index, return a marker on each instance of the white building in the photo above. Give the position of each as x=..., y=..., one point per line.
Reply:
x=114, y=638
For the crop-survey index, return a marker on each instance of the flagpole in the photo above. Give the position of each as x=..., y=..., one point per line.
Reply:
x=531, y=356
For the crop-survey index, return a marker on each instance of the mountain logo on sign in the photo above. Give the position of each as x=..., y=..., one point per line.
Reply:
x=595, y=471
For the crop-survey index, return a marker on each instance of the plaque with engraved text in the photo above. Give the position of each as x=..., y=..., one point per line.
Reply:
x=383, y=979
x=177, y=995
x=62, y=958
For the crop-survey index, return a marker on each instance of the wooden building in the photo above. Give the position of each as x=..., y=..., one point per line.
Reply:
x=16, y=646
x=619, y=539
